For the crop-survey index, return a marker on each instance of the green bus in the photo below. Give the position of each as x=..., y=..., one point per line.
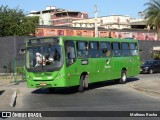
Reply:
x=66, y=61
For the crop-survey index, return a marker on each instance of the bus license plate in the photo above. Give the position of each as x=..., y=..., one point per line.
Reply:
x=42, y=84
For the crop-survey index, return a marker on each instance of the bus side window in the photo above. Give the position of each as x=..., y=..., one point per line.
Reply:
x=116, y=52
x=125, y=49
x=70, y=52
x=105, y=49
x=82, y=49
x=134, y=49
x=94, y=51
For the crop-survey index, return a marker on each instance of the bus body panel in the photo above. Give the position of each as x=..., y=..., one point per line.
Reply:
x=98, y=69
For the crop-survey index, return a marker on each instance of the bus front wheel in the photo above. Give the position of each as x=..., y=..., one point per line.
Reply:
x=123, y=78
x=83, y=83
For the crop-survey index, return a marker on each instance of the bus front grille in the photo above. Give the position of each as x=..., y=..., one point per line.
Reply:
x=42, y=80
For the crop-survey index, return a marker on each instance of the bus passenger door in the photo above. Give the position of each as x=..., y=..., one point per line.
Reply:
x=116, y=64
x=71, y=68
x=134, y=60
x=106, y=60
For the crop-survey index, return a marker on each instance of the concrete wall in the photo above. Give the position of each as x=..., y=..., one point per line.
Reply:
x=146, y=48
x=9, y=52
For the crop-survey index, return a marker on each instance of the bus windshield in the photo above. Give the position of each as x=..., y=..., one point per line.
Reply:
x=44, y=58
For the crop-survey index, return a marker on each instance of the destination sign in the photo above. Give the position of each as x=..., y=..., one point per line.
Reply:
x=39, y=41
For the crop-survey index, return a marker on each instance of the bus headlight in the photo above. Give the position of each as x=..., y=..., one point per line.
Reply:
x=49, y=77
x=29, y=77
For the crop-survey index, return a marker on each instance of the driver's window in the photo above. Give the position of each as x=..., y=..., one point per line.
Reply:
x=70, y=52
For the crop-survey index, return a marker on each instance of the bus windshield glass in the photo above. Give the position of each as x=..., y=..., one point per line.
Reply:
x=44, y=58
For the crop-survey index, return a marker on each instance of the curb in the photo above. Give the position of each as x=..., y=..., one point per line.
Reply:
x=9, y=97
x=145, y=90
x=13, y=98
x=5, y=99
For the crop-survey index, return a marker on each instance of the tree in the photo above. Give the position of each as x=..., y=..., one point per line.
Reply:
x=152, y=14
x=13, y=22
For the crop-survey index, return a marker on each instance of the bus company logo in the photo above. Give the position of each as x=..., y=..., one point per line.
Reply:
x=107, y=66
x=107, y=62
x=6, y=114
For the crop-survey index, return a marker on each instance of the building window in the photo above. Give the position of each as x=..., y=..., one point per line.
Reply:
x=101, y=21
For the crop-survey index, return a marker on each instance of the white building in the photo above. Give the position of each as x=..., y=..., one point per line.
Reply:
x=57, y=16
x=44, y=15
x=109, y=22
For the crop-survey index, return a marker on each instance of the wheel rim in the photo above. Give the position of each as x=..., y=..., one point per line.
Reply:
x=124, y=77
x=83, y=83
x=151, y=71
x=81, y=86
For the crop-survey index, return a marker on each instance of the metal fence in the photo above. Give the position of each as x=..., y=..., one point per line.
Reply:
x=11, y=61
x=13, y=71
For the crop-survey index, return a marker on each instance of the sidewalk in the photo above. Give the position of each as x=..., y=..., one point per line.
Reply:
x=7, y=88
x=151, y=87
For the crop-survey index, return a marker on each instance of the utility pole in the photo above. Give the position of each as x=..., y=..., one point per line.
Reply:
x=95, y=19
x=68, y=18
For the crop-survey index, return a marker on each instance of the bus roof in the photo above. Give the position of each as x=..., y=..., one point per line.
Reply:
x=97, y=38
x=80, y=38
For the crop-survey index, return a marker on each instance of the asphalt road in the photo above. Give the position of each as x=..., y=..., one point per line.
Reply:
x=117, y=98
x=148, y=76
x=104, y=96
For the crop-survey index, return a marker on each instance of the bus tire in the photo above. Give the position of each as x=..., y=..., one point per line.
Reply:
x=123, y=78
x=151, y=71
x=83, y=83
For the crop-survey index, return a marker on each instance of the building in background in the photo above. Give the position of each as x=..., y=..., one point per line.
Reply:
x=44, y=15
x=107, y=22
x=139, y=34
x=56, y=21
x=113, y=22
x=65, y=17
x=61, y=17
x=139, y=23
x=57, y=16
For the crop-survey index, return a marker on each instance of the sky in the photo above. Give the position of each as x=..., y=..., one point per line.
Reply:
x=104, y=7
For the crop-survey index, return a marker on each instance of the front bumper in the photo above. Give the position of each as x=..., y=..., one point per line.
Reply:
x=46, y=84
x=142, y=70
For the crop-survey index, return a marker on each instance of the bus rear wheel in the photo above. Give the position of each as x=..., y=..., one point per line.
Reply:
x=83, y=83
x=123, y=78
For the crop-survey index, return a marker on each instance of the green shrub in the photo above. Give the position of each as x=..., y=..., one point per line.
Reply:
x=156, y=56
x=20, y=70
